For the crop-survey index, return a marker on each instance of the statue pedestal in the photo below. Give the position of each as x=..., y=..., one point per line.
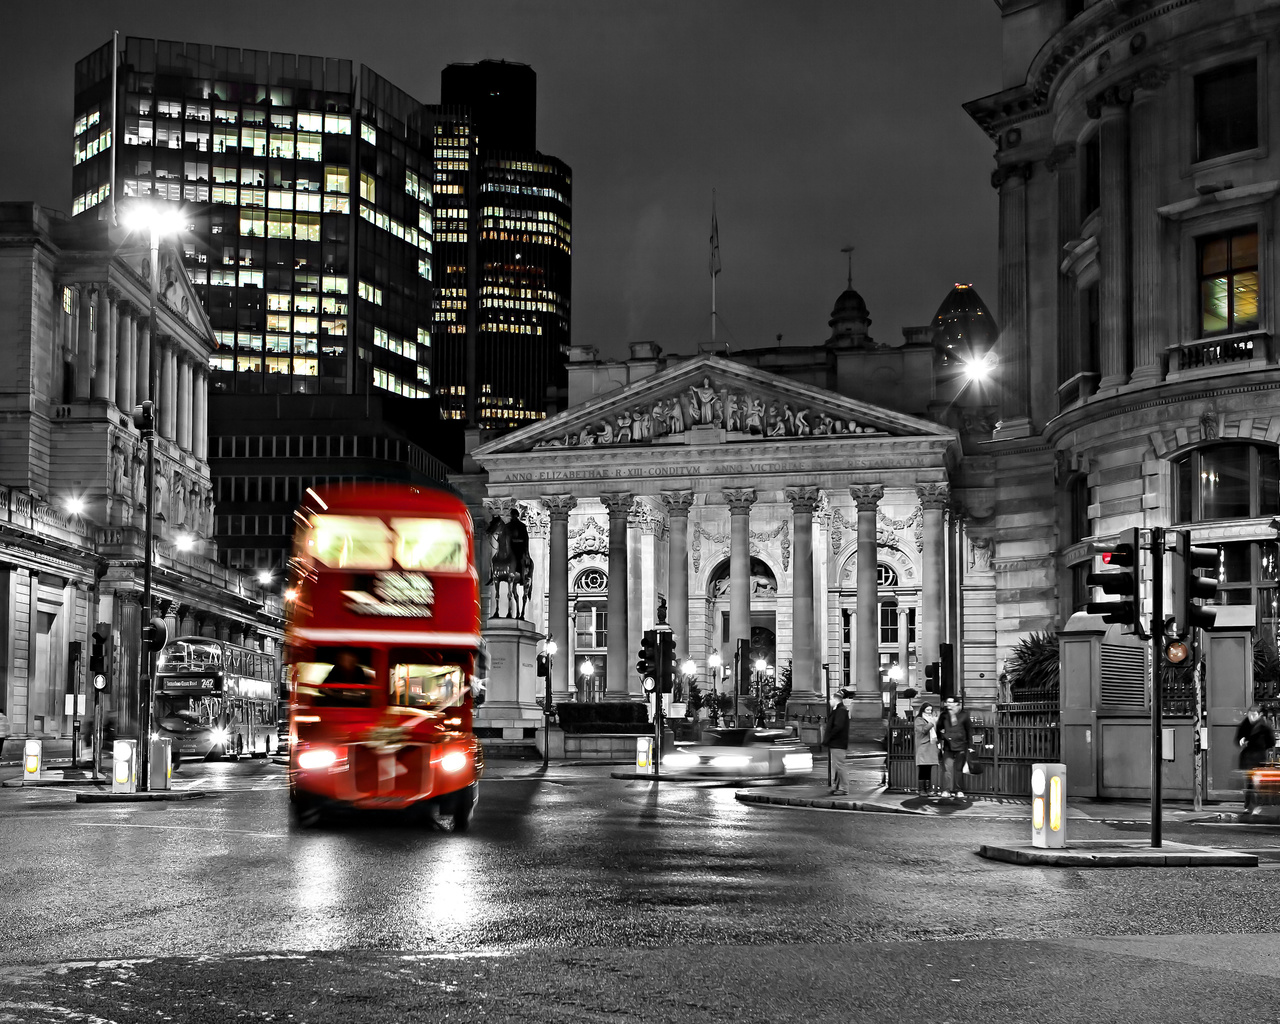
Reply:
x=511, y=699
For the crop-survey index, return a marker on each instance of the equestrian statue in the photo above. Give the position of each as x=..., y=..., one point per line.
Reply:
x=510, y=562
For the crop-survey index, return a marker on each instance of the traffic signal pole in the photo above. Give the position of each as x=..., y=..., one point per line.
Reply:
x=1157, y=690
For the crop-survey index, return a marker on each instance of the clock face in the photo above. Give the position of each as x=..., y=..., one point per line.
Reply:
x=1037, y=782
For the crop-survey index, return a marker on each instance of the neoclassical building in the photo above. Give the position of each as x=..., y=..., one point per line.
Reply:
x=780, y=506
x=74, y=336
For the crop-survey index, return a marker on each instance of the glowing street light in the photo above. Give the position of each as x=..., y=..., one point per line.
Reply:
x=265, y=577
x=75, y=506
x=977, y=369
x=550, y=648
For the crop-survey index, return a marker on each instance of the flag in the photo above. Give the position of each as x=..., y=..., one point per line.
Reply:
x=714, y=262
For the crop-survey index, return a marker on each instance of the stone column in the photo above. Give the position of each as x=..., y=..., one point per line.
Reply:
x=104, y=329
x=933, y=502
x=619, y=505
x=202, y=413
x=739, y=500
x=867, y=659
x=637, y=620
x=84, y=342
x=1113, y=247
x=1149, y=318
x=142, y=374
x=126, y=359
x=804, y=673
x=1064, y=166
x=1013, y=318
x=678, y=504
x=904, y=646
x=169, y=390
x=558, y=507
x=183, y=436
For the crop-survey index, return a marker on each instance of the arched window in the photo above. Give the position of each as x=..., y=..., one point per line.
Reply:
x=1226, y=481
x=886, y=575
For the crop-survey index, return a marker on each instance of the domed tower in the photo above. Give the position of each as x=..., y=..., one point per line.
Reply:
x=849, y=322
x=963, y=328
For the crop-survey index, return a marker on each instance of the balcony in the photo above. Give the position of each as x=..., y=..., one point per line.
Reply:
x=1221, y=354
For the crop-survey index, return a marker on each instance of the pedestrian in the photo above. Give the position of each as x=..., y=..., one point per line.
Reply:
x=837, y=741
x=955, y=738
x=1255, y=737
x=926, y=748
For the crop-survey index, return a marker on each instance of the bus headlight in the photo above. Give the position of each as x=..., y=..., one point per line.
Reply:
x=220, y=736
x=454, y=761
x=320, y=757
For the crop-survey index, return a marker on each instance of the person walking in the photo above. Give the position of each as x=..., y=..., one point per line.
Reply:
x=1254, y=737
x=955, y=738
x=837, y=742
x=926, y=749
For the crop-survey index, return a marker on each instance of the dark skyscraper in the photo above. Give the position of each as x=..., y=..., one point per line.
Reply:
x=503, y=250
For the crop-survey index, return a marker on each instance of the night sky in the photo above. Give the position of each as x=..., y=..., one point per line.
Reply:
x=819, y=125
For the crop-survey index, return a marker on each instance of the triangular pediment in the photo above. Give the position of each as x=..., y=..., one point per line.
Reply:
x=176, y=293
x=708, y=400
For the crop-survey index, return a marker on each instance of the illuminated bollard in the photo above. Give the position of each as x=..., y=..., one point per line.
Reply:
x=32, y=754
x=644, y=751
x=124, y=770
x=160, y=767
x=1049, y=805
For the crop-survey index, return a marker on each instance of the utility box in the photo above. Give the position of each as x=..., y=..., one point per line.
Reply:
x=124, y=769
x=32, y=757
x=644, y=751
x=1049, y=806
x=160, y=766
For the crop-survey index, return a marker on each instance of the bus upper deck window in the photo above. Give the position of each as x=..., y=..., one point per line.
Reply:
x=438, y=545
x=350, y=542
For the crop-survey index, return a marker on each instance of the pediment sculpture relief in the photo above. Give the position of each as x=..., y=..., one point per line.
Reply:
x=706, y=405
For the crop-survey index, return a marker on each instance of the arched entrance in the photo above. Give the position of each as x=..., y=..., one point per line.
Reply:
x=899, y=602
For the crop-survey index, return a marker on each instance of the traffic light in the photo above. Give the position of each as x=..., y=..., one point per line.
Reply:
x=931, y=681
x=98, y=653
x=743, y=661
x=947, y=670
x=155, y=634
x=1125, y=583
x=1197, y=589
x=668, y=667
x=647, y=666
x=144, y=417
x=542, y=666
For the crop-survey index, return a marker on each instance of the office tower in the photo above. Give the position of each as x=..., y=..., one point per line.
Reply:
x=307, y=186
x=503, y=250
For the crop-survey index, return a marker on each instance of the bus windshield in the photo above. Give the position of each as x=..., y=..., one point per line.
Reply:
x=426, y=686
x=190, y=655
x=366, y=542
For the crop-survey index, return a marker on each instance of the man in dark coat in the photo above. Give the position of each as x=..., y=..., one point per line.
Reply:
x=1255, y=737
x=955, y=737
x=836, y=741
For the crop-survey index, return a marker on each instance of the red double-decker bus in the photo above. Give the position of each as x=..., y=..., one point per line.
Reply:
x=382, y=647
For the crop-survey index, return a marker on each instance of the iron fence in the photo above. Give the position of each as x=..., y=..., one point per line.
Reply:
x=1006, y=743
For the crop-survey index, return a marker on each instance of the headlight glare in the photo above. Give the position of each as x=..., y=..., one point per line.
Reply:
x=454, y=761
x=321, y=757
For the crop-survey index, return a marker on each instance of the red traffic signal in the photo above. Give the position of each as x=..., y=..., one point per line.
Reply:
x=1125, y=583
x=647, y=665
x=668, y=667
x=1198, y=589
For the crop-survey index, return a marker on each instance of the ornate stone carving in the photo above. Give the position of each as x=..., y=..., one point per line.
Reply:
x=559, y=506
x=1120, y=94
x=617, y=502
x=1007, y=172
x=591, y=538
x=759, y=539
x=866, y=496
x=1209, y=427
x=933, y=496
x=717, y=542
x=740, y=499
x=803, y=499
x=980, y=550
x=499, y=506
x=536, y=520
x=678, y=502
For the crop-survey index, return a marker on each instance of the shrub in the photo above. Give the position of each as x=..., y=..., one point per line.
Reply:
x=1266, y=669
x=1032, y=668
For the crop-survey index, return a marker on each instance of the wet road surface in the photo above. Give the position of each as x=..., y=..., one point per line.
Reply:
x=580, y=897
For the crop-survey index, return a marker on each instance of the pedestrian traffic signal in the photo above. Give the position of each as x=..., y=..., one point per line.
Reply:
x=155, y=634
x=931, y=680
x=97, y=653
x=668, y=667
x=647, y=666
x=1124, y=583
x=543, y=668
x=1196, y=590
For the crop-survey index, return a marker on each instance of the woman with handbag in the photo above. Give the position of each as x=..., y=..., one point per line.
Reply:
x=926, y=749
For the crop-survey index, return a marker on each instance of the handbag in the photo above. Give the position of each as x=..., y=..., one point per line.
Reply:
x=971, y=767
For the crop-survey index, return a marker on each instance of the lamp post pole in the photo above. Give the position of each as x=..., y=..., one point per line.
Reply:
x=713, y=670
x=145, y=666
x=546, y=707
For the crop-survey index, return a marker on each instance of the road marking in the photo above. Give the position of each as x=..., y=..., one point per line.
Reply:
x=185, y=828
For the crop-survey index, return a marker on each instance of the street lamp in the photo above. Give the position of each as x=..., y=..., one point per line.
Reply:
x=587, y=669
x=156, y=219
x=713, y=670
x=688, y=672
x=762, y=666
x=546, y=706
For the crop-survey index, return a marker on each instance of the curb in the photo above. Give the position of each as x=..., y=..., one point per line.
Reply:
x=831, y=803
x=36, y=783
x=125, y=798
x=1175, y=856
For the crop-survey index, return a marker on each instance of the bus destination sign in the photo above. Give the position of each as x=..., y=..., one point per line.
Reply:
x=398, y=594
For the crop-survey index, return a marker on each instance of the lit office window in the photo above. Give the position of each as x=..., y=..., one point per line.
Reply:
x=1229, y=283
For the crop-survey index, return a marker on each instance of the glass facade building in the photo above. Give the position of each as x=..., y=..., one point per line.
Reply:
x=307, y=185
